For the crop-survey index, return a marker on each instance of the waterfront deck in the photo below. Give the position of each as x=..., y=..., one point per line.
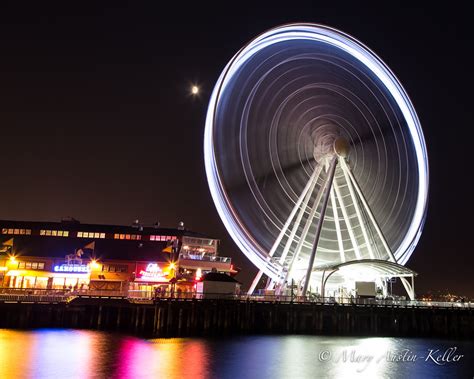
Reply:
x=145, y=297
x=192, y=316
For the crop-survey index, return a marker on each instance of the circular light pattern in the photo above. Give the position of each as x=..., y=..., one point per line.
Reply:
x=275, y=114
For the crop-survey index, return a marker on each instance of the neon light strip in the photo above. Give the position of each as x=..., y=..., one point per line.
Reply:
x=76, y=269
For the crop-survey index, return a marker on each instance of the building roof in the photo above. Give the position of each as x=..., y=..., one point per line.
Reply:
x=371, y=267
x=218, y=277
x=75, y=225
x=111, y=241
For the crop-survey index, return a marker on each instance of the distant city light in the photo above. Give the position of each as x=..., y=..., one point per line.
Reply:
x=194, y=90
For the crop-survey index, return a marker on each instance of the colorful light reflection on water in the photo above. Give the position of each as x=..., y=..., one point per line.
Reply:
x=52, y=353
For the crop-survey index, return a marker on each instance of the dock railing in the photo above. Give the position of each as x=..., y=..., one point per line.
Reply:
x=54, y=295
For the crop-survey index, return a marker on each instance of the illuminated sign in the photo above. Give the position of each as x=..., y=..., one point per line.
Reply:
x=198, y=274
x=152, y=273
x=80, y=269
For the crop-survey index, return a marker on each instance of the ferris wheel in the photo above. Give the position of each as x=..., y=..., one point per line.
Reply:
x=315, y=156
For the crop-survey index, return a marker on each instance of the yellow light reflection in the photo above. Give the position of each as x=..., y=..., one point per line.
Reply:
x=15, y=345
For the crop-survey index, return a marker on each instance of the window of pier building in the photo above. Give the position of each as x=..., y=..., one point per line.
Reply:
x=15, y=231
x=119, y=236
x=27, y=281
x=70, y=283
x=196, y=245
x=162, y=238
x=114, y=268
x=54, y=233
x=90, y=235
x=28, y=265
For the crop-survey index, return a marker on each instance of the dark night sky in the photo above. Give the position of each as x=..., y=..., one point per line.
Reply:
x=97, y=122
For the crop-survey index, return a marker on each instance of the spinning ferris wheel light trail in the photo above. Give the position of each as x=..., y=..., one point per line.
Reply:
x=316, y=160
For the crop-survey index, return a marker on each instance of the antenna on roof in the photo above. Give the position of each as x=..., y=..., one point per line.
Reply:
x=156, y=225
x=136, y=223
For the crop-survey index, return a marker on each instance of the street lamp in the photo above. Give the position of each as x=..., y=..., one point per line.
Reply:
x=94, y=264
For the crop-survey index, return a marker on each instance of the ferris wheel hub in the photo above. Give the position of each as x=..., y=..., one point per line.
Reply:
x=341, y=147
x=324, y=139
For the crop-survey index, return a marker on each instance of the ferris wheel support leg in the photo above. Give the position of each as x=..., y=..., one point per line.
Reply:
x=359, y=215
x=338, y=225
x=410, y=288
x=304, y=233
x=347, y=170
x=255, y=282
x=302, y=211
x=270, y=283
x=346, y=220
x=313, y=178
x=327, y=190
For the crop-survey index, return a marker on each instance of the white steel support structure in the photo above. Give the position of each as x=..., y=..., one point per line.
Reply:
x=345, y=167
x=304, y=233
x=358, y=213
x=326, y=190
x=299, y=217
x=297, y=223
x=340, y=244
x=329, y=191
x=347, y=221
x=309, y=188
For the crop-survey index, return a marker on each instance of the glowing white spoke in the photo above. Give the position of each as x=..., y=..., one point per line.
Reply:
x=347, y=170
x=297, y=222
x=282, y=233
x=338, y=226
x=346, y=220
x=358, y=213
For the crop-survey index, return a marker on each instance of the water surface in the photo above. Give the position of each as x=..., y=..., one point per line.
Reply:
x=53, y=353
